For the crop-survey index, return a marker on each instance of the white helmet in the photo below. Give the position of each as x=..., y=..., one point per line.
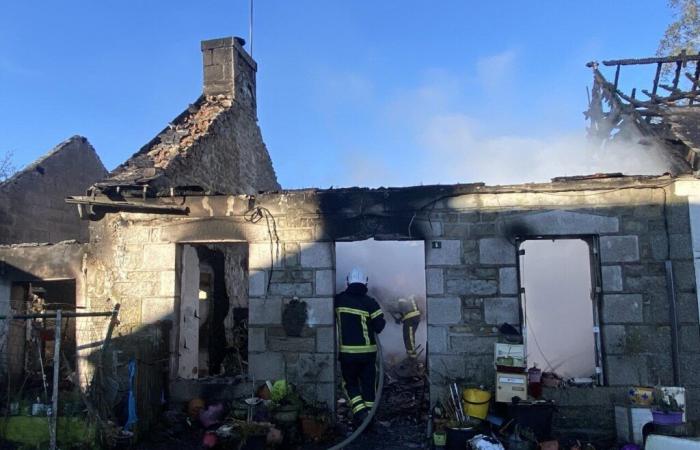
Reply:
x=357, y=276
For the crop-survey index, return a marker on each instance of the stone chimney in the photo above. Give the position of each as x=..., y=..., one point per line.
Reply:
x=229, y=70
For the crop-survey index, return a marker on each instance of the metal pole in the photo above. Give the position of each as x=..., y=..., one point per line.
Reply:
x=110, y=328
x=675, y=353
x=56, y=375
x=53, y=315
x=250, y=28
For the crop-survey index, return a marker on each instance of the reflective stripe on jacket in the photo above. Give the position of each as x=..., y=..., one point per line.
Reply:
x=414, y=312
x=358, y=317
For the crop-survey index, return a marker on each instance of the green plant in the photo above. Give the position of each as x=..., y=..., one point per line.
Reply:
x=280, y=390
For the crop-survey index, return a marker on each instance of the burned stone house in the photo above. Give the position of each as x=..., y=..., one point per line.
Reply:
x=196, y=241
x=32, y=201
x=33, y=210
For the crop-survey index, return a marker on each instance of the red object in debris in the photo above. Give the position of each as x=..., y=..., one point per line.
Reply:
x=210, y=440
x=534, y=385
x=47, y=335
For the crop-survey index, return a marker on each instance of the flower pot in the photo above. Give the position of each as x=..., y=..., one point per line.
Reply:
x=667, y=418
x=239, y=410
x=313, y=428
x=286, y=414
x=439, y=438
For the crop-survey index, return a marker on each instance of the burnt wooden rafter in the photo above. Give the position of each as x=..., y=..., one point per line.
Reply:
x=667, y=114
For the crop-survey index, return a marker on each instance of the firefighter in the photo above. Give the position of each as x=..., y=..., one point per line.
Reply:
x=358, y=318
x=409, y=316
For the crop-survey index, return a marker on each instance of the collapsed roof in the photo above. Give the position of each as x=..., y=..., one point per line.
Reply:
x=670, y=120
x=214, y=146
x=170, y=147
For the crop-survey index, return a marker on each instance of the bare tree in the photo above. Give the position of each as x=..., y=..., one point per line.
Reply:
x=7, y=168
x=684, y=32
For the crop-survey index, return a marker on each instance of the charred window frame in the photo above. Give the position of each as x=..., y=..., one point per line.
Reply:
x=593, y=242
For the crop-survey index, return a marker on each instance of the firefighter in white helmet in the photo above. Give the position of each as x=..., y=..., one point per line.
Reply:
x=358, y=317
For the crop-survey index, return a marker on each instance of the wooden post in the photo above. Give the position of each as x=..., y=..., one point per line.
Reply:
x=656, y=79
x=695, y=80
x=53, y=431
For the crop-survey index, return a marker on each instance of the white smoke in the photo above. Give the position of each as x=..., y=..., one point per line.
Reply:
x=395, y=269
x=460, y=129
x=465, y=154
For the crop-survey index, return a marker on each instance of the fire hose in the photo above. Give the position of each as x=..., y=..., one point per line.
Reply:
x=377, y=399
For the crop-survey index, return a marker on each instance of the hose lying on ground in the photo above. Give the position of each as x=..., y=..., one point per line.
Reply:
x=377, y=399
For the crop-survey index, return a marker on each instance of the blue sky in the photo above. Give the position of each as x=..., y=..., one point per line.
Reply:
x=353, y=92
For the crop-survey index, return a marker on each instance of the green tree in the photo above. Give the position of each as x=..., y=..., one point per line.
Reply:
x=684, y=32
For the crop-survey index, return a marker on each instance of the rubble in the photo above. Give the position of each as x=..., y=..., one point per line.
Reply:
x=174, y=140
x=401, y=417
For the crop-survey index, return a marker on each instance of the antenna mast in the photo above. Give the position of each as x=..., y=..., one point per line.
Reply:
x=250, y=28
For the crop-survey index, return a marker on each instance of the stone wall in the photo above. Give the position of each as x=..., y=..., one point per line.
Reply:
x=32, y=206
x=303, y=270
x=215, y=145
x=231, y=158
x=472, y=287
x=471, y=235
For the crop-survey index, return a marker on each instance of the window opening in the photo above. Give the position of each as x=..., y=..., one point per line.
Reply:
x=559, y=307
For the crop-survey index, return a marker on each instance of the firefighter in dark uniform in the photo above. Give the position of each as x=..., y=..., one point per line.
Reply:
x=409, y=316
x=358, y=317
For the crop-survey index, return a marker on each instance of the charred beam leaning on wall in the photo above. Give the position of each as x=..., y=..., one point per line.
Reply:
x=90, y=208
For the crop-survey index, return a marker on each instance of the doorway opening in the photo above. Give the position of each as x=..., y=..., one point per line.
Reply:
x=559, y=305
x=396, y=273
x=28, y=346
x=213, y=332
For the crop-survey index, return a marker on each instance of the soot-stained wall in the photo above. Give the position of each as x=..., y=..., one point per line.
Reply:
x=636, y=223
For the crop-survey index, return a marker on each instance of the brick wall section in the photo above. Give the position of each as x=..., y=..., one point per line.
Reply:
x=32, y=206
x=471, y=279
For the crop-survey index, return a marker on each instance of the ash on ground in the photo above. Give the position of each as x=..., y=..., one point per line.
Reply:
x=402, y=416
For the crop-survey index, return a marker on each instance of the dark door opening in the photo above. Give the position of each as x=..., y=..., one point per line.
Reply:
x=213, y=336
x=396, y=272
x=28, y=353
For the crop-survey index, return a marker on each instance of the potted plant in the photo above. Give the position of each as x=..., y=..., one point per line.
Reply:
x=665, y=409
x=286, y=403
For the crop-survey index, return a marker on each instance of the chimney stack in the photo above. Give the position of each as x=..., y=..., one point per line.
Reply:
x=229, y=70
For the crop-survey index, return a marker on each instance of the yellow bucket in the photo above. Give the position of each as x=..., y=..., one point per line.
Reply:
x=476, y=402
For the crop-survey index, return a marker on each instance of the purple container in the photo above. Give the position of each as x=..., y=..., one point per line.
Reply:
x=667, y=418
